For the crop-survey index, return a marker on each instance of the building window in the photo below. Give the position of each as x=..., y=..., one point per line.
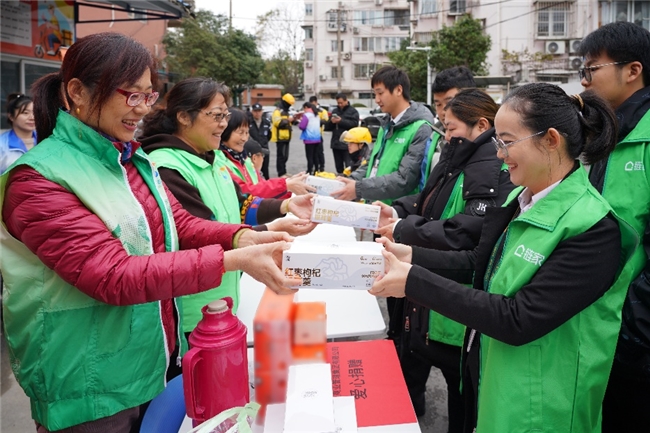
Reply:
x=370, y=17
x=364, y=70
x=138, y=14
x=637, y=12
x=552, y=19
x=396, y=17
x=423, y=38
x=309, y=32
x=332, y=18
x=309, y=54
x=333, y=46
x=309, y=9
x=457, y=7
x=392, y=43
x=366, y=44
x=427, y=7
x=366, y=95
x=335, y=72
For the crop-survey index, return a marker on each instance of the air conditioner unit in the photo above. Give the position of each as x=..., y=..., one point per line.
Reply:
x=347, y=56
x=329, y=59
x=555, y=47
x=379, y=2
x=307, y=86
x=322, y=77
x=574, y=44
x=308, y=64
x=575, y=63
x=355, y=30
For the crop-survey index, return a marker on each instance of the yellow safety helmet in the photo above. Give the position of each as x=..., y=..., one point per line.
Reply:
x=289, y=99
x=359, y=134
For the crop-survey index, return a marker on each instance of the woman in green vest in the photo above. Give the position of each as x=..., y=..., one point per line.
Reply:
x=543, y=316
x=182, y=139
x=95, y=250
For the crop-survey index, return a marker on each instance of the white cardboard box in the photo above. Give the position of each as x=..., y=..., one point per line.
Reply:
x=345, y=213
x=310, y=405
x=324, y=186
x=341, y=265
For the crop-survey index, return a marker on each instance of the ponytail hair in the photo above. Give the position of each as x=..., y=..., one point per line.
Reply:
x=188, y=96
x=586, y=121
x=48, y=97
x=102, y=62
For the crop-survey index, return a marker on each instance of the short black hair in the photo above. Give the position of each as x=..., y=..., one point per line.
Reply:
x=622, y=42
x=237, y=119
x=459, y=77
x=391, y=77
x=341, y=96
x=313, y=99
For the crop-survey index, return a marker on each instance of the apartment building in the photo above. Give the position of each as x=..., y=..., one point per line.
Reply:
x=353, y=36
x=543, y=36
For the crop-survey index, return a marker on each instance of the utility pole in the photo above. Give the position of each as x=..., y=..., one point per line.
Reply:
x=338, y=47
x=429, y=75
x=230, y=18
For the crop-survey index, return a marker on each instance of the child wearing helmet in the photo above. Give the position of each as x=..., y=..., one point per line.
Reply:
x=358, y=140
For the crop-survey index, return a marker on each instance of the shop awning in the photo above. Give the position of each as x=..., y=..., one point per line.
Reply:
x=152, y=9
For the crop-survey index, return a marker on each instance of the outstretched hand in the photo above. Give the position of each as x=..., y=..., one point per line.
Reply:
x=393, y=282
x=347, y=192
x=404, y=253
x=252, y=237
x=302, y=205
x=293, y=226
x=296, y=184
x=264, y=263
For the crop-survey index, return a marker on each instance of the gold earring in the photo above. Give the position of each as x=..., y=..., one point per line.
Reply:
x=78, y=111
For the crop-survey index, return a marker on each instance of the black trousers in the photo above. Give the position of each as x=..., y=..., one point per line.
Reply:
x=416, y=369
x=311, y=151
x=265, y=164
x=320, y=158
x=282, y=157
x=626, y=407
x=341, y=159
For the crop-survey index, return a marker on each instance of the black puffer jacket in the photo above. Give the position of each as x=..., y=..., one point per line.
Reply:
x=349, y=119
x=485, y=184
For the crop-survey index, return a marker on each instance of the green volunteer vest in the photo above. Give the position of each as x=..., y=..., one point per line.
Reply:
x=76, y=358
x=627, y=167
x=557, y=382
x=435, y=139
x=394, y=149
x=218, y=193
x=440, y=327
x=248, y=166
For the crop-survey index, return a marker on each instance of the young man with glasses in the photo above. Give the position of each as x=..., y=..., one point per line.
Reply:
x=617, y=68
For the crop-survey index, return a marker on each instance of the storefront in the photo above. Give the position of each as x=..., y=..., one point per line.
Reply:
x=35, y=34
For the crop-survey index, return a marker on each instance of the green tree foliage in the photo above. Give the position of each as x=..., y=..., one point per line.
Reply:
x=282, y=69
x=205, y=47
x=462, y=44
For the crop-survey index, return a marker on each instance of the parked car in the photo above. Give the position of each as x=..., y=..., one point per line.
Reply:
x=371, y=119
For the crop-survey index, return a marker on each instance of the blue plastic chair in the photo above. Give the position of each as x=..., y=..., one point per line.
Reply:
x=166, y=412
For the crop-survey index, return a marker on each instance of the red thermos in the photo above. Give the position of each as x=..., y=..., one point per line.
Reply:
x=215, y=370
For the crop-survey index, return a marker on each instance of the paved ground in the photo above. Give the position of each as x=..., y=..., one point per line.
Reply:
x=14, y=405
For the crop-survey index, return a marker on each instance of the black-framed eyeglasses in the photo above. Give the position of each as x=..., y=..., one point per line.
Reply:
x=218, y=117
x=499, y=144
x=585, y=71
x=133, y=99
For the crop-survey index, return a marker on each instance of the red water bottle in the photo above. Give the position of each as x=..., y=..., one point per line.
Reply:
x=215, y=370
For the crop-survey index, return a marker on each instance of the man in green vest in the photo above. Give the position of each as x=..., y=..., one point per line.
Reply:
x=617, y=68
x=446, y=85
x=393, y=168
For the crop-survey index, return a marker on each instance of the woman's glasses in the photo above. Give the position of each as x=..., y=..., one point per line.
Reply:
x=499, y=144
x=585, y=72
x=218, y=117
x=133, y=99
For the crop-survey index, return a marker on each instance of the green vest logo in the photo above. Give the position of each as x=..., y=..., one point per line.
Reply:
x=400, y=140
x=529, y=255
x=634, y=166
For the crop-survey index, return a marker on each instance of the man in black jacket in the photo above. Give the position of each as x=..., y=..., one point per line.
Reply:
x=344, y=117
x=259, y=127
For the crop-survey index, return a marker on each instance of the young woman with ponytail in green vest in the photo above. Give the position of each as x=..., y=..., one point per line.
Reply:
x=95, y=249
x=182, y=139
x=544, y=313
